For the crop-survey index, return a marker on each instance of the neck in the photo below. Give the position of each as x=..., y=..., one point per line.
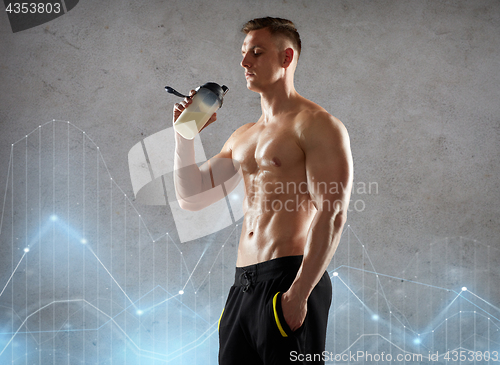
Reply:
x=278, y=99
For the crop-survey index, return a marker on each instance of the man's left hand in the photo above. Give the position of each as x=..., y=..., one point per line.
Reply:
x=294, y=310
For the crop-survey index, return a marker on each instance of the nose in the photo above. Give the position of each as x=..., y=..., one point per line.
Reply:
x=245, y=62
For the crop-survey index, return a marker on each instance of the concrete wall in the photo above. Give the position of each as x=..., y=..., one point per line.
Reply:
x=415, y=82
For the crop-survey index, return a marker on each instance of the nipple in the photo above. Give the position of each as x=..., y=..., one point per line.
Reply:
x=276, y=161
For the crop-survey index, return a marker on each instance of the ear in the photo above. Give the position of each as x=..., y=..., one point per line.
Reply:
x=288, y=57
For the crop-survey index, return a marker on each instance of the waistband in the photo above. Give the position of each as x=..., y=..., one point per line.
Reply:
x=266, y=270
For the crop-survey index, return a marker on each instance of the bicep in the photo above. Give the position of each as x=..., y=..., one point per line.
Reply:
x=329, y=167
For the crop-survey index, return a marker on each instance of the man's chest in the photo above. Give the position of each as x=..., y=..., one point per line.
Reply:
x=268, y=147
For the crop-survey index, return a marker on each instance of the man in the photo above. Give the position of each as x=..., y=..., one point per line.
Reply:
x=297, y=168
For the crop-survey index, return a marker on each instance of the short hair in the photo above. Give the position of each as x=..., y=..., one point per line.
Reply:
x=276, y=26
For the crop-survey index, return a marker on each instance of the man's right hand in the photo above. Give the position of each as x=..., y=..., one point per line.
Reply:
x=179, y=108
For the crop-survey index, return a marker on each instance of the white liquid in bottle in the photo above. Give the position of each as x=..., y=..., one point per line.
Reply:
x=205, y=103
x=189, y=123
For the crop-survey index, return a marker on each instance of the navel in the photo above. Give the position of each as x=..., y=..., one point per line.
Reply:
x=276, y=161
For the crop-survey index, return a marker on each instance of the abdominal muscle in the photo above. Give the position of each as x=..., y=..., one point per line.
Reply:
x=274, y=225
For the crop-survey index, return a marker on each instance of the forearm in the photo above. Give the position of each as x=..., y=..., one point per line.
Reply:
x=322, y=241
x=188, y=178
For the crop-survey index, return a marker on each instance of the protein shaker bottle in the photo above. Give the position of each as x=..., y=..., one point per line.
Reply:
x=206, y=101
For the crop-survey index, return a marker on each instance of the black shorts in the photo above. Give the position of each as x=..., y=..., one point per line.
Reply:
x=252, y=329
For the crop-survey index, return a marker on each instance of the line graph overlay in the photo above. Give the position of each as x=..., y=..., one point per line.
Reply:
x=81, y=273
x=431, y=306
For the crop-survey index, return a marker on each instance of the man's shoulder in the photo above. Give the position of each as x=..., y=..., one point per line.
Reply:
x=313, y=120
x=240, y=130
x=237, y=133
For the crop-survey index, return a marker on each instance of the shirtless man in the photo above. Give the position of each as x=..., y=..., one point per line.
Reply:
x=297, y=169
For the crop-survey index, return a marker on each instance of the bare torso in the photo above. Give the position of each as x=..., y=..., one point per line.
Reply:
x=278, y=208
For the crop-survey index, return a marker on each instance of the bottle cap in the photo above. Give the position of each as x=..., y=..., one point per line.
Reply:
x=218, y=90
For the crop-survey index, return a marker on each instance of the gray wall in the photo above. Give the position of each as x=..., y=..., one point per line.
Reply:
x=415, y=82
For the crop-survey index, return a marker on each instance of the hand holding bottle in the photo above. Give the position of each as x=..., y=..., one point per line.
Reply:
x=198, y=109
x=179, y=108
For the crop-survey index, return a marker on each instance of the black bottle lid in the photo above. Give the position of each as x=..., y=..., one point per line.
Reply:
x=218, y=90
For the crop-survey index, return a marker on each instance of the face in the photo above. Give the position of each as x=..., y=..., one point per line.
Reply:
x=261, y=60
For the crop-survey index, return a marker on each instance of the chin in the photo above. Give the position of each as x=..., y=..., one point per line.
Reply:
x=252, y=87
